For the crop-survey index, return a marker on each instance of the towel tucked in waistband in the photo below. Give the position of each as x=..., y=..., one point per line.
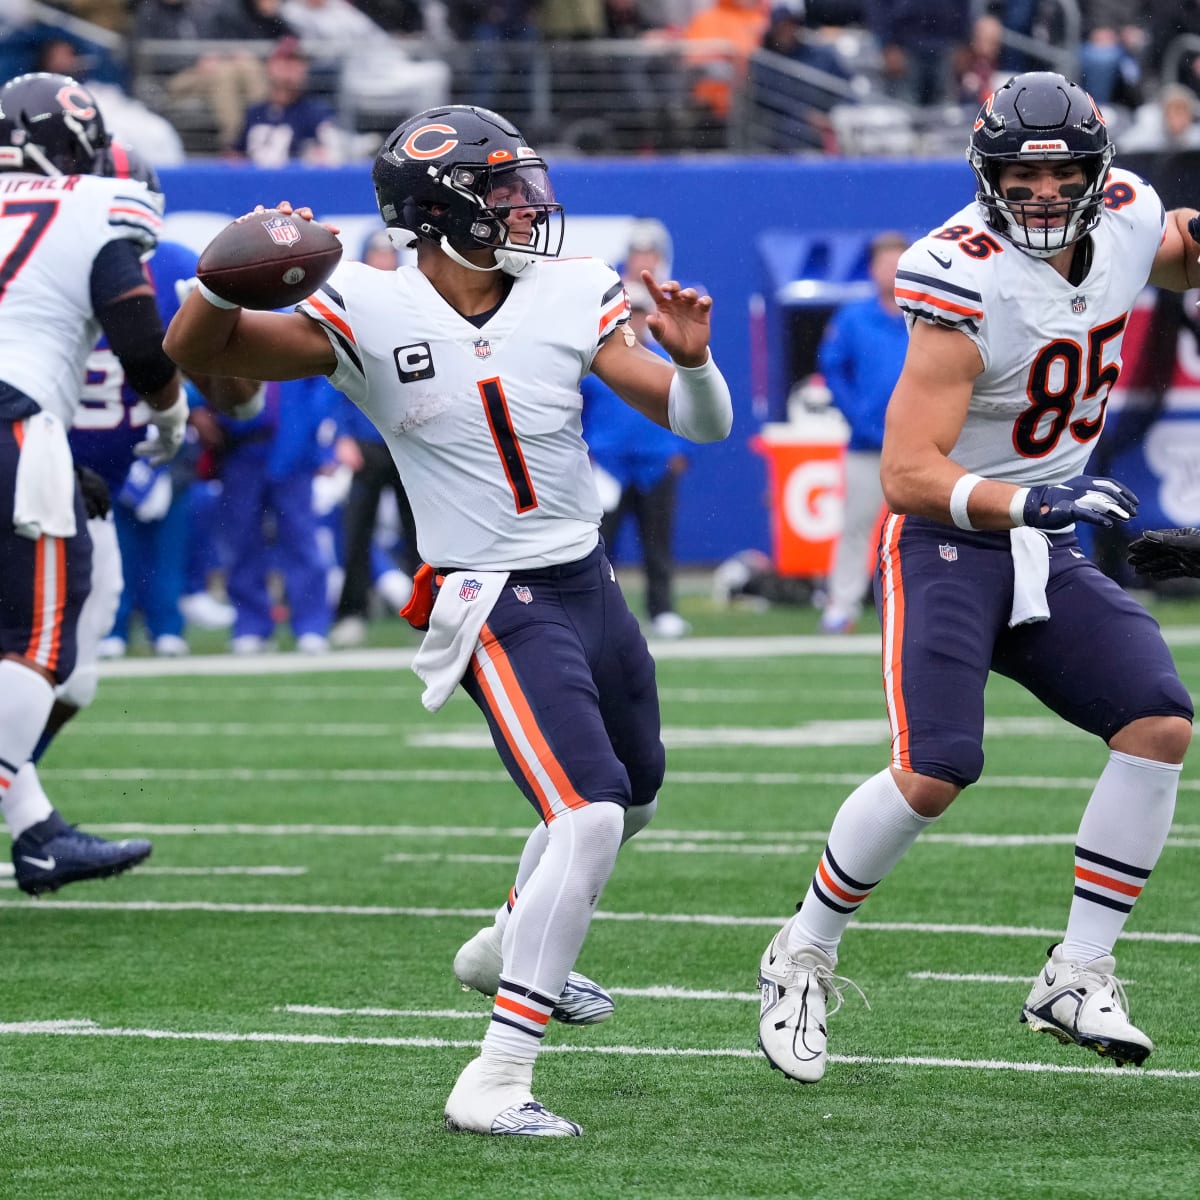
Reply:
x=1031, y=571
x=44, y=492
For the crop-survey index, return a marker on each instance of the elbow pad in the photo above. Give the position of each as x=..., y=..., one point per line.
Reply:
x=134, y=331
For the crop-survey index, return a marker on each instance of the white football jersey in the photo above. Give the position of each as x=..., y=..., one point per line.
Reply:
x=484, y=424
x=1051, y=350
x=51, y=229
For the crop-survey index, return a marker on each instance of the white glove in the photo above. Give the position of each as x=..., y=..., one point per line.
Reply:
x=165, y=434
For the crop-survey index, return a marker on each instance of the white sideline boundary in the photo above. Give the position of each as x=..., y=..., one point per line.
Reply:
x=88, y=1028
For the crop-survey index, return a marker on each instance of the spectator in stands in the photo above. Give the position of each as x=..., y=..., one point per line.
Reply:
x=228, y=82
x=977, y=63
x=741, y=25
x=1168, y=20
x=1110, y=56
x=290, y=124
x=918, y=38
x=506, y=65
x=329, y=22
x=1165, y=124
x=861, y=354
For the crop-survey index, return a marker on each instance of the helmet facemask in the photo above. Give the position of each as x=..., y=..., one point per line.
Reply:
x=1041, y=118
x=1043, y=228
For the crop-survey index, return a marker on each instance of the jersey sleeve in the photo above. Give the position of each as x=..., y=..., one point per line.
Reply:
x=937, y=283
x=136, y=213
x=604, y=296
x=327, y=307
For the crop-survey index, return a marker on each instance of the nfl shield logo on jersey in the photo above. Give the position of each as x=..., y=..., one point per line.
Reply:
x=283, y=230
x=949, y=553
x=483, y=348
x=523, y=594
x=1078, y=304
x=469, y=590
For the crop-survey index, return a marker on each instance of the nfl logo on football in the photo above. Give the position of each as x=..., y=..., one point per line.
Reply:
x=469, y=590
x=283, y=230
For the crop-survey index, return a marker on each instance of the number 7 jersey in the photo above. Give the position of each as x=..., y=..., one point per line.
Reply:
x=1051, y=350
x=484, y=424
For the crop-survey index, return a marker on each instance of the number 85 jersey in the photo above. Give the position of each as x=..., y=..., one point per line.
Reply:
x=1051, y=349
x=484, y=423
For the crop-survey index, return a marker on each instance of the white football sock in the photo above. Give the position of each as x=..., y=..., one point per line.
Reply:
x=546, y=929
x=1121, y=835
x=26, y=803
x=26, y=699
x=871, y=833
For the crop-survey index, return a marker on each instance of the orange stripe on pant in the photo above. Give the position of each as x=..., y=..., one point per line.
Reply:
x=545, y=774
x=1107, y=881
x=893, y=641
x=49, y=601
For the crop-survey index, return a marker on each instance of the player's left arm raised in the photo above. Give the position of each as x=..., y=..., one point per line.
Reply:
x=1175, y=265
x=691, y=398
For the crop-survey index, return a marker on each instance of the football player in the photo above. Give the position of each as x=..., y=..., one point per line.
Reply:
x=1016, y=308
x=469, y=364
x=71, y=244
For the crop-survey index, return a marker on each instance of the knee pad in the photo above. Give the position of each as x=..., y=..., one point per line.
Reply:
x=956, y=758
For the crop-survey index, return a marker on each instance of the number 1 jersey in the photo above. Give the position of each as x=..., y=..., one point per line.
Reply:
x=484, y=423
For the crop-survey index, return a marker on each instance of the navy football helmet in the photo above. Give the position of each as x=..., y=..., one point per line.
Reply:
x=452, y=175
x=1041, y=117
x=119, y=161
x=50, y=124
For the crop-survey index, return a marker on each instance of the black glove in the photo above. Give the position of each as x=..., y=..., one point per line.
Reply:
x=1090, y=498
x=1194, y=228
x=1167, y=553
x=96, y=500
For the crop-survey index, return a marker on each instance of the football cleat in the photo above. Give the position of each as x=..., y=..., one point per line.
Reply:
x=492, y=1097
x=52, y=853
x=1085, y=1003
x=795, y=990
x=477, y=967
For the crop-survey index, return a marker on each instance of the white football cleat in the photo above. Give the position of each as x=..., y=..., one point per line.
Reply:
x=1085, y=1003
x=492, y=1096
x=477, y=967
x=795, y=990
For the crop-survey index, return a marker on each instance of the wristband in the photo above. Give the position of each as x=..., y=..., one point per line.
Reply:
x=213, y=299
x=959, y=496
x=699, y=406
x=1016, y=507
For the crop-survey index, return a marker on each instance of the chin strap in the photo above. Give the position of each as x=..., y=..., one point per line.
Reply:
x=511, y=262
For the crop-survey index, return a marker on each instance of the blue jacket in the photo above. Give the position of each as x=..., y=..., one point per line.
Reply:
x=861, y=354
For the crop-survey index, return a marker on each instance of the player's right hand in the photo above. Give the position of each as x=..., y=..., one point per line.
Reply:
x=1167, y=553
x=1090, y=498
x=170, y=426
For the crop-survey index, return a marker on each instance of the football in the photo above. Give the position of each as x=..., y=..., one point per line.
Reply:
x=269, y=259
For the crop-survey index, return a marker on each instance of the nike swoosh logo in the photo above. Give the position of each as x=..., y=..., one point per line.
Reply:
x=45, y=864
x=1049, y=976
x=944, y=263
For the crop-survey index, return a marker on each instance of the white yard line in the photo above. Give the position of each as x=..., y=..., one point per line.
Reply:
x=700, y=919
x=85, y=1028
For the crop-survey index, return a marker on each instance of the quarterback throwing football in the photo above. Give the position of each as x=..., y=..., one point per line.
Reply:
x=1016, y=309
x=469, y=365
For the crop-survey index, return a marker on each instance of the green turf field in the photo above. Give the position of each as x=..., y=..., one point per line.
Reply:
x=266, y=1008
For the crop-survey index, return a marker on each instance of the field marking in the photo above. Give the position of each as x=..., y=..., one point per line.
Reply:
x=326, y=1010
x=701, y=919
x=396, y=659
x=85, y=1028
x=507, y=859
x=732, y=841
x=377, y=775
x=947, y=977
x=269, y=870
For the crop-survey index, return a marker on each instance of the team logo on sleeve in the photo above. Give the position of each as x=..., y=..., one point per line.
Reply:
x=414, y=362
